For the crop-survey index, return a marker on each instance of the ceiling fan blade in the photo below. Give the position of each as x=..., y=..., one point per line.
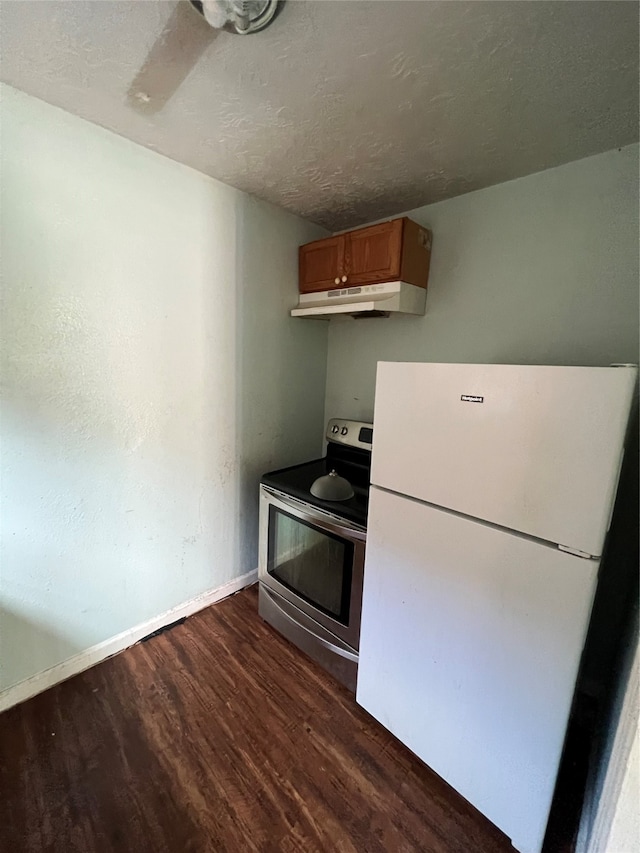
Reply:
x=177, y=49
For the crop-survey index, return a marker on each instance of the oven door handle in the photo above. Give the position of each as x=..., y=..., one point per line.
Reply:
x=338, y=650
x=299, y=509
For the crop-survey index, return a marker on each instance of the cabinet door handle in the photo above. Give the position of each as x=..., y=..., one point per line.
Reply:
x=344, y=278
x=336, y=280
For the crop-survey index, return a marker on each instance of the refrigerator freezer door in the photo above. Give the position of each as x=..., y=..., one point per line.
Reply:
x=534, y=449
x=470, y=645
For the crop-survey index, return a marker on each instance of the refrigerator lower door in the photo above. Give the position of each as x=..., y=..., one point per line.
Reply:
x=470, y=645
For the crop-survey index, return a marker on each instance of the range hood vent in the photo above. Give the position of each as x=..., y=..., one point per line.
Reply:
x=371, y=300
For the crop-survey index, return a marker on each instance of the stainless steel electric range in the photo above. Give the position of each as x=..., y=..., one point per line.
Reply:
x=313, y=523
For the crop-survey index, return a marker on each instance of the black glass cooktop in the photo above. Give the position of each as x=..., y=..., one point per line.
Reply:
x=297, y=480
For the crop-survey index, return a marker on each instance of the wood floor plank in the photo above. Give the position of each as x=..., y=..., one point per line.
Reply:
x=218, y=736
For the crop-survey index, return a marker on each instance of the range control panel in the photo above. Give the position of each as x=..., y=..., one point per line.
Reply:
x=353, y=433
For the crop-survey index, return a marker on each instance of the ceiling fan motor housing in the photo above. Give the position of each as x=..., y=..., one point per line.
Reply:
x=237, y=16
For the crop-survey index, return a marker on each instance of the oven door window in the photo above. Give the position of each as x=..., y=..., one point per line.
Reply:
x=313, y=564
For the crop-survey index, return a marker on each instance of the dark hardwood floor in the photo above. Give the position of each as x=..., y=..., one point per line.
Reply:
x=218, y=736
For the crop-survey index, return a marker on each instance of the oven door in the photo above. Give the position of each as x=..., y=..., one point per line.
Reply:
x=313, y=560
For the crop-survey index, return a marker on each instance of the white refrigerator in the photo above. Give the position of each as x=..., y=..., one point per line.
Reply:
x=492, y=492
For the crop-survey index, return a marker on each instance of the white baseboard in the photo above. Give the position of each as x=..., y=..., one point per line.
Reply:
x=101, y=651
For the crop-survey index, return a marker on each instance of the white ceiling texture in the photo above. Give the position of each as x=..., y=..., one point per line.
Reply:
x=346, y=112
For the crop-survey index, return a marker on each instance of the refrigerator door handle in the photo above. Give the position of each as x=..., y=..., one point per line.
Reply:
x=576, y=552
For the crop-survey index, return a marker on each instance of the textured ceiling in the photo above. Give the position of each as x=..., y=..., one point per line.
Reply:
x=345, y=112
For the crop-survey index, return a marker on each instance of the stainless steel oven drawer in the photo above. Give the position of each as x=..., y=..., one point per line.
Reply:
x=332, y=653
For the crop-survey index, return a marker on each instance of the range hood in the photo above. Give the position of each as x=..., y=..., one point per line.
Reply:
x=371, y=300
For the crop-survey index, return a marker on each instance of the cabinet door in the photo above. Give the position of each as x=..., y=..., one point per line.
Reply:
x=470, y=644
x=321, y=263
x=373, y=254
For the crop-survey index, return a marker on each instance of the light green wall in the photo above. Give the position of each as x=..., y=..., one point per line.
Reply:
x=543, y=270
x=150, y=373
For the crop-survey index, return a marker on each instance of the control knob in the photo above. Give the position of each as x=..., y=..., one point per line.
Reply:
x=344, y=431
x=335, y=428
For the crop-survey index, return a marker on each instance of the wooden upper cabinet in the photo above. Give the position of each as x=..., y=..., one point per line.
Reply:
x=321, y=262
x=391, y=251
x=374, y=254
